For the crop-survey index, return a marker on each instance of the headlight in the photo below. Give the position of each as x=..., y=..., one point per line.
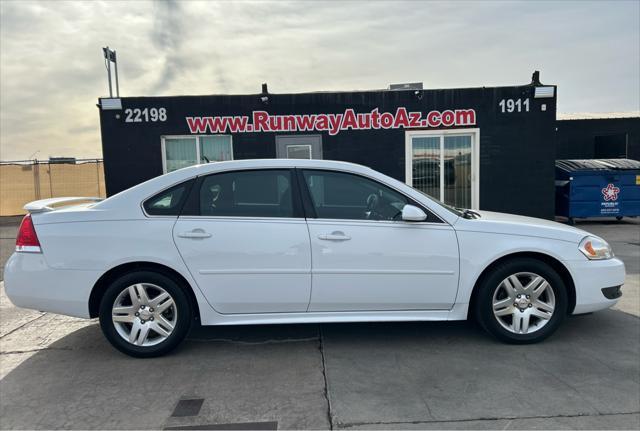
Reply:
x=595, y=248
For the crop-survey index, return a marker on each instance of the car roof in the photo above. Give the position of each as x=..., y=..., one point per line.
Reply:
x=229, y=165
x=277, y=163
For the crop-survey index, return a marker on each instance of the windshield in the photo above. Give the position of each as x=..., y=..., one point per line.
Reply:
x=456, y=211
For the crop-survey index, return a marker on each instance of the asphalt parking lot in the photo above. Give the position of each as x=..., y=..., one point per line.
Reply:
x=59, y=372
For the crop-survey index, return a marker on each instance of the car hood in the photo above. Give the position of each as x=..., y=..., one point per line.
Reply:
x=510, y=224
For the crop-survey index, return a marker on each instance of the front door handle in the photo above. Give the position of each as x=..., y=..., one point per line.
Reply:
x=334, y=236
x=195, y=234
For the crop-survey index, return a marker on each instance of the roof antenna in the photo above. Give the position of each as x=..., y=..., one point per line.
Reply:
x=535, y=78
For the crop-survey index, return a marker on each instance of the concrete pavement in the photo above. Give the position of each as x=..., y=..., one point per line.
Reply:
x=438, y=375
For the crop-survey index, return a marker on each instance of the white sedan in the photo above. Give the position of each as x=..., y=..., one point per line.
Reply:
x=298, y=241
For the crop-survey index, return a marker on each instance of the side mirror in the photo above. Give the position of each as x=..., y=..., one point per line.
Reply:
x=413, y=213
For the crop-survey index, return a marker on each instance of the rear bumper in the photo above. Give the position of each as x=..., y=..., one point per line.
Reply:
x=590, y=278
x=30, y=283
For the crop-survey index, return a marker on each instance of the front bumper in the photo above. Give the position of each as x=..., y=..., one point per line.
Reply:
x=590, y=278
x=613, y=292
x=30, y=283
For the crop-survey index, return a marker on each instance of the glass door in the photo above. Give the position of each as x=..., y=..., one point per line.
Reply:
x=441, y=165
x=456, y=159
x=426, y=164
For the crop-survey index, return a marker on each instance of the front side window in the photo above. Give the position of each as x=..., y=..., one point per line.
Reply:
x=180, y=152
x=261, y=193
x=168, y=202
x=338, y=195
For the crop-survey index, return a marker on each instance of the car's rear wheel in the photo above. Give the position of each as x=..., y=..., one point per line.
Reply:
x=145, y=314
x=521, y=301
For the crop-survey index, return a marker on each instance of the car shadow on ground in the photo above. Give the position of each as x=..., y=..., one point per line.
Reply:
x=371, y=372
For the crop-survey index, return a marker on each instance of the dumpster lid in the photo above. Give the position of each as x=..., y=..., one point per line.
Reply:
x=621, y=163
x=597, y=164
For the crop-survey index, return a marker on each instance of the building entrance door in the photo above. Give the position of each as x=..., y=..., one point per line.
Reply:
x=299, y=147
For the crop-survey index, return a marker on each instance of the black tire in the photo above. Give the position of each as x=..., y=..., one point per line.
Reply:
x=183, y=319
x=484, y=300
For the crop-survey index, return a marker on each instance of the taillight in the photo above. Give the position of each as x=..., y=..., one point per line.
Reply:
x=27, y=239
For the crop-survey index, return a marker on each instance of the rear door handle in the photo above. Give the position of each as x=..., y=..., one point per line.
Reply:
x=334, y=236
x=195, y=234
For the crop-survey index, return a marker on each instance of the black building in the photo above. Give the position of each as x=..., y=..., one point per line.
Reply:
x=489, y=148
x=598, y=136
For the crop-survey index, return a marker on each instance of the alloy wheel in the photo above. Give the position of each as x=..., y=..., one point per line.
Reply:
x=144, y=314
x=523, y=303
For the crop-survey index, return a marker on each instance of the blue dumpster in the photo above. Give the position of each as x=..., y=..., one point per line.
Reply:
x=597, y=188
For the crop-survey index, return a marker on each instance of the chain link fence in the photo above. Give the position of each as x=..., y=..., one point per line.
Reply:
x=29, y=180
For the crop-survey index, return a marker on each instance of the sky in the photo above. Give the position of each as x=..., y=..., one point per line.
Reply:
x=52, y=71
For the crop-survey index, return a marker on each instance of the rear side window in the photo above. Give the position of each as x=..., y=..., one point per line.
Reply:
x=168, y=202
x=259, y=193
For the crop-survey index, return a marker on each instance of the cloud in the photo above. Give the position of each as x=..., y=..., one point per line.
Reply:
x=167, y=35
x=51, y=68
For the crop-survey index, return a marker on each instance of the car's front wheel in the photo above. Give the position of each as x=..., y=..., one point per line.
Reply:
x=521, y=301
x=145, y=314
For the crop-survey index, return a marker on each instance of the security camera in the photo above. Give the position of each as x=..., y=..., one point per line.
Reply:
x=264, y=99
